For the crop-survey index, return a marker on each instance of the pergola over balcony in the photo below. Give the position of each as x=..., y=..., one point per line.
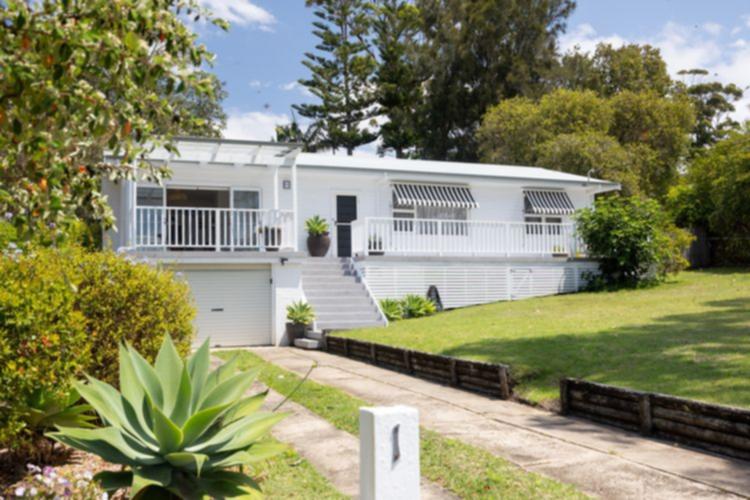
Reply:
x=219, y=227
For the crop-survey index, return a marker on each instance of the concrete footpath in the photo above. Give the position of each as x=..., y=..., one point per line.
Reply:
x=599, y=460
x=334, y=453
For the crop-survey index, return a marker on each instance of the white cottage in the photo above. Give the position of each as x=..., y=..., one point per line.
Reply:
x=231, y=220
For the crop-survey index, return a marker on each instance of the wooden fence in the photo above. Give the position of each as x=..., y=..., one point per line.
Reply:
x=717, y=428
x=485, y=378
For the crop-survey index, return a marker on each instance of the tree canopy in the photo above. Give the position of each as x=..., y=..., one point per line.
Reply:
x=341, y=75
x=637, y=139
x=82, y=76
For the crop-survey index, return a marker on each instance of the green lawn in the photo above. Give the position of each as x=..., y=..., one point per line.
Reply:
x=467, y=471
x=688, y=337
x=290, y=476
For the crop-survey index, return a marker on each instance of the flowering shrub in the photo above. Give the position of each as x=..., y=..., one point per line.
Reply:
x=43, y=339
x=64, y=312
x=48, y=482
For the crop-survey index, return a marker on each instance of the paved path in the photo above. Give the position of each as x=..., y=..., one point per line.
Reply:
x=332, y=452
x=600, y=460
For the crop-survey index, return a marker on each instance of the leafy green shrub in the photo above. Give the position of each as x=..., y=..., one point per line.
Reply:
x=416, y=306
x=300, y=313
x=63, y=312
x=634, y=240
x=43, y=339
x=133, y=302
x=392, y=309
x=316, y=226
x=176, y=428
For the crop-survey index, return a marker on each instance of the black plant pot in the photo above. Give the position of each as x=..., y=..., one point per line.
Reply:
x=318, y=245
x=295, y=331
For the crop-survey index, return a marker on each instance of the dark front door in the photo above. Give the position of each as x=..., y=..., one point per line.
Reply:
x=346, y=212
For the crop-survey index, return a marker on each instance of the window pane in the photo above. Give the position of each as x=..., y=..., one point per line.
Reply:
x=533, y=225
x=445, y=213
x=150, y=197
x=246, y=199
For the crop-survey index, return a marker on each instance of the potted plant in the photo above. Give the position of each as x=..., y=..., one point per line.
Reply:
x=299, y=317
x=318, y=239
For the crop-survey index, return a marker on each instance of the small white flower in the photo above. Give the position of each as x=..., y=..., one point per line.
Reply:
x=38, y=477
x=88, y=475
x=33, y=492
x=104, y=496
x=20, y=491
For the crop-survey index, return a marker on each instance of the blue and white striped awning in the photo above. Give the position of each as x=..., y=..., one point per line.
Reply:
x=547, y=202
x=434, y=195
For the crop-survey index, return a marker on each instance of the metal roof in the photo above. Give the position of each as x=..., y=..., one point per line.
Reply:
x=447, y=168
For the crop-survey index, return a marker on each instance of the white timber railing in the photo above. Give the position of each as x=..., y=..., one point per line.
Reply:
x=220, y=229
x=384, y=235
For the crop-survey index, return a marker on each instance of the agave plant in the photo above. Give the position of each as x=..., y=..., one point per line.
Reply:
x=45, y=411
x=177, y=428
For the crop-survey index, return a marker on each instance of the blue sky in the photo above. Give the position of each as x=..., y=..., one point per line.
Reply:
x=260, y=58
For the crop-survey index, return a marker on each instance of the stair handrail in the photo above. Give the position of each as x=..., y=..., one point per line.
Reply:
x=358, y=274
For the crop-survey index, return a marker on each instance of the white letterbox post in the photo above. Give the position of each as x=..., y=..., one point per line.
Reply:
x=389, y=453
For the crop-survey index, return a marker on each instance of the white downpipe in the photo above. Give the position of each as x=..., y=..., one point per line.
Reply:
x=295, y=214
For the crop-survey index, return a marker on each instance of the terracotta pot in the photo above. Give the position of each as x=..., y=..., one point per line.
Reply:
x=295, y=331
x=318, y=245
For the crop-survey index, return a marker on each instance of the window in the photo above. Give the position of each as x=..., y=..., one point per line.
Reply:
x=445, y=214
x=150, y=196
x=536, y=224
x=246, y=199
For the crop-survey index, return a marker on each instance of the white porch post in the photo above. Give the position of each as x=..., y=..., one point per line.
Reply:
x=275, y=187
x=295, y=216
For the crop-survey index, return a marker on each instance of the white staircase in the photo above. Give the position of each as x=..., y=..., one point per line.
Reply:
x=340, y=300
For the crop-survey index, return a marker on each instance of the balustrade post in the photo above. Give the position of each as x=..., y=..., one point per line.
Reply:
x=217, y=230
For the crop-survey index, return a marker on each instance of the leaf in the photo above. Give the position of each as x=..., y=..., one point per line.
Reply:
x=114, y=480
x=107, y=442
x=167, y=433
x=220, y=374
x=169, y=369
x=237, y=484
x=147, y=376
x=245, y=407
x=256, y=453
x=144, y=477
x=231, y=437
x=187, y=460
x=183, y=399
x=198, y=365
x=199, y=422
x=230, y=389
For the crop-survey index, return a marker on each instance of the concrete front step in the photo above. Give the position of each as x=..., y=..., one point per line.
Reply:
x=339, y=303
x=347, y=324
x=307, y=343
x=314, y=335
x=346, y=314
x=359, y=308
x=323, y=291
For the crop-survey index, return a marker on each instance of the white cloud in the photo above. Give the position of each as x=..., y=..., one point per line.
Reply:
x=295, y=85
x=253, y=125
x=241, y=12
x=713, y=29
x=257, y=84
x=683, y=47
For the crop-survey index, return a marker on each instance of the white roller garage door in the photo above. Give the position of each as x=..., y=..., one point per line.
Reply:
x=234, y=307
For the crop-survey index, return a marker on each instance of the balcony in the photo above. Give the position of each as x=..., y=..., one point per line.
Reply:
x=394, y=236
x=219, y=229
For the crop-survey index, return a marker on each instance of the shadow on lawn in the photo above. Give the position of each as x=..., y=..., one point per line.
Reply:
x=704, y=355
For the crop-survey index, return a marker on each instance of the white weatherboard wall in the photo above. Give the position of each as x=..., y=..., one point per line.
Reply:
x=464, y=282
x=287, y=288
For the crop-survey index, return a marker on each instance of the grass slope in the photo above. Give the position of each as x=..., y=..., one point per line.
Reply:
x=290, y=476
x=689, y=337
x=467, y=471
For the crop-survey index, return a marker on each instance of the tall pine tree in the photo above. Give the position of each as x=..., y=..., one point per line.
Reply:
x=475, y=53
x=395, y=29
x=342, y=69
